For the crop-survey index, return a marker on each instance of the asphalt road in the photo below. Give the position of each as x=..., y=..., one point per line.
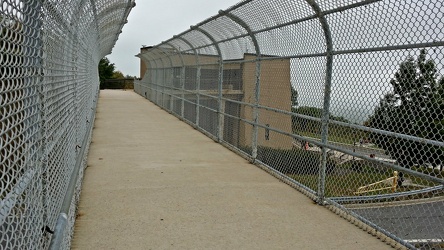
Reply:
x=409, y=222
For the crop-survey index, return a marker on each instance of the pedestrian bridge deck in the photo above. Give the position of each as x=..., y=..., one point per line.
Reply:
x=153, y=182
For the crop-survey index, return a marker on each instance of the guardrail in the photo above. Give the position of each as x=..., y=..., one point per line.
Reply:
x=291, y=85
x=49, y=87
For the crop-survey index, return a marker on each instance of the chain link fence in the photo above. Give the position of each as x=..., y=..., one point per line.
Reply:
x=343, y=100
x=49, y=52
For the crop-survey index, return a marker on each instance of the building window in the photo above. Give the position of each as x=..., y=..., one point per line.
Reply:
x=267, y=132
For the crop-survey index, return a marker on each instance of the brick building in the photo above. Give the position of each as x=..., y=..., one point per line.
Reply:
x=238, y=84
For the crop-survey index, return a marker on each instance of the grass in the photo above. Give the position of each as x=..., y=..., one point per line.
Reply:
x=341, y=180
x=340, y=185
x=347, y=178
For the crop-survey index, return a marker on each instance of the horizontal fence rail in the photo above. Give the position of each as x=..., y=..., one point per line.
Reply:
x=49, y=52
x=343, y=100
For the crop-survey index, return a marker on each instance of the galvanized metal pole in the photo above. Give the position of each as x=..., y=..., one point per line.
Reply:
x=198, y=74
x=171, y=83
x=221, y=108
x=149, y=74
x=166, y=72
x=257, y=94
x=257, y=90
x=220, y=126
x=151, y=79
x=59, y=232
x=164, y=80
x=327, y=94
x=182, y=86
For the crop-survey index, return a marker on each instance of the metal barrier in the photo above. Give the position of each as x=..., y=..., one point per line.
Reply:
x=49, y=52
x=342, y=99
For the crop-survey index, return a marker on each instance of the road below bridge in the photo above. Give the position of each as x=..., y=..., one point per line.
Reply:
x=409, y=221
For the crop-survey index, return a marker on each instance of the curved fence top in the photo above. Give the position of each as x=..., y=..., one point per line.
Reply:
x=112, y=16
x=301, y=28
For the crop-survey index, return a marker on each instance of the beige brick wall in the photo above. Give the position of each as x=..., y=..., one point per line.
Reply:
x=142, y=63
x=276, y=93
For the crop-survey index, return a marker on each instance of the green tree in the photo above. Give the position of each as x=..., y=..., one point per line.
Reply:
x=118, y=75
x=106, y=69
x=415, y=108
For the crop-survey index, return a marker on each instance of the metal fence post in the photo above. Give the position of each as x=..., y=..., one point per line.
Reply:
x=182, y=95
x=257, y=90
x=198, y=74
x=220, y=123
x=221, y=106
x=257, y=93
x=59, y=232
x=327, y=95
x=167, y=72
x=161, y=84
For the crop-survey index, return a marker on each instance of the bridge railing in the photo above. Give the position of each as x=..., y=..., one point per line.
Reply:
x=341, y=99
x=49, y=52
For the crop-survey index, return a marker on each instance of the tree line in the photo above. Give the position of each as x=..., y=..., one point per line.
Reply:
x=107, y=70
x=414, y=107
x=110, y=78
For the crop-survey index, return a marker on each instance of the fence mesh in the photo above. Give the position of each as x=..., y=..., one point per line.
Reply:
x=342, y=99
x=49, y=52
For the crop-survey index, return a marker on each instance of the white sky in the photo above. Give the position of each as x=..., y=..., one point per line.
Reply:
x=152, y=22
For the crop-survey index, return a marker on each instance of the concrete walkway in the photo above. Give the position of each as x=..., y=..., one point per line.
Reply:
x=153, y=182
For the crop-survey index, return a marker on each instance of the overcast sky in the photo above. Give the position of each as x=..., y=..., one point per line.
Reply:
x=152, y=22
